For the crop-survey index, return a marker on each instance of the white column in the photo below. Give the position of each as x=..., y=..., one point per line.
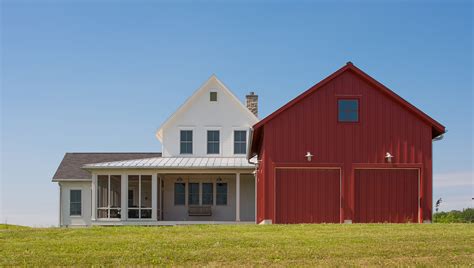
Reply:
x=237, y=197
x=124, y=197
x=94, y=197
x=154, y=197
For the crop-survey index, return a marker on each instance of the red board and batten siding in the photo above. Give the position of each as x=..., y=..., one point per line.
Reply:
x=311, y=124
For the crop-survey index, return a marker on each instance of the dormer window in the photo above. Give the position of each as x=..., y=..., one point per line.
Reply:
x=213, y=96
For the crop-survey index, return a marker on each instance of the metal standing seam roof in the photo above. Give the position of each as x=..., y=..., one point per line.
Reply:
x=176, y=163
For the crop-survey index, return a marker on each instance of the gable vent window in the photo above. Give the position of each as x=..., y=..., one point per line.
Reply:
x=348, y=110
x=213, y=96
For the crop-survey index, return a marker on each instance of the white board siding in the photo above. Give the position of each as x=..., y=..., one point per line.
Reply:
x=85, y=218
x=201, y=115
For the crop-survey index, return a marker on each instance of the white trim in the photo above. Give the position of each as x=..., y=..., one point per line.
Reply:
x=94, y=197
x=237, y=197
x=246, y=129
x=193, y=142
x=154, y=199
x=213, y=128
x=123, y=197
x=190, y=100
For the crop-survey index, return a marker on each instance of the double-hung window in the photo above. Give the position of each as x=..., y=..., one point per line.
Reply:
x=108, y=196
x=186, y=142
x=75, y=203
x=240, y=142
x=213, y=141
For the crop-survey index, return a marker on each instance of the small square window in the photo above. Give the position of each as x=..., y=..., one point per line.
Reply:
x=348, y=110
x=213, y=96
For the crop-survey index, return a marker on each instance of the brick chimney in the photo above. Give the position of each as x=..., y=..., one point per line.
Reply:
x=252, y=103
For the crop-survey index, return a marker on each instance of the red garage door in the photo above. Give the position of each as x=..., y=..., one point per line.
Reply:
x=307, y=195
x=386, y=195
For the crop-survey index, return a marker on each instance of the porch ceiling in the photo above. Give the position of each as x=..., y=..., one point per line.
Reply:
x=177, y=163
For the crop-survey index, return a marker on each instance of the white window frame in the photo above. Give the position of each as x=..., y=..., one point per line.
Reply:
x=217, y=95
x=246, y=140
x=75, y=216
x=192, y=141
x=108, y=207
x=219, y=143
x=139, y=208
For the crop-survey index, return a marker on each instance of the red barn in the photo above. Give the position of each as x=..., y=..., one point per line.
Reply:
x=347, y=150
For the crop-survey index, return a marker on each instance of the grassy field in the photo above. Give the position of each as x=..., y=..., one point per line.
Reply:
x=378, y=244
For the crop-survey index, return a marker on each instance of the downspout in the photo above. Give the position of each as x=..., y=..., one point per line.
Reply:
x=60, y=206
x=249, y=147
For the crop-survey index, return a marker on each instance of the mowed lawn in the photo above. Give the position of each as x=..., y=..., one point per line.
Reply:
x=215, y=245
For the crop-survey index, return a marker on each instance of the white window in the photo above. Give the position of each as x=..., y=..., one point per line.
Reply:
x=186, y=142
x=213, y=96
x=213, y=141
x=240, y=142
x=108, y=196
x=139, y=196
x=75, y=203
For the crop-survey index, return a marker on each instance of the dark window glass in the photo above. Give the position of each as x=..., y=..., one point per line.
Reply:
x=179, y=193
x=207, y=193
x=213, y=141
x=348, y=110
x=240, y=142
x=75, y=208
x=213, y=96
x=186, y=142
x=193, y=197
x=221, y=194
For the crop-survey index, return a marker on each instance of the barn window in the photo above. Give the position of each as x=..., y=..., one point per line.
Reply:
x=348, y=110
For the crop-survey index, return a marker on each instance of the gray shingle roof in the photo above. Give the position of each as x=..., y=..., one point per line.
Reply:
x=72, y=163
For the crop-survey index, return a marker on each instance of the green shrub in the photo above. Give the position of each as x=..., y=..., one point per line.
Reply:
x=455, y=216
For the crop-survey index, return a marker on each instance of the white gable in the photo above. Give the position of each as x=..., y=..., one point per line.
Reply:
x=200, y=114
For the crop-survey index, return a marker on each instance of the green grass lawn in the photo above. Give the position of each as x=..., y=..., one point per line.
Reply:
x=356, y=244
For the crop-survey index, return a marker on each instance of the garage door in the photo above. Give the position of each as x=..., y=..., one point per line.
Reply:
x=307, y=195
x=386, y=195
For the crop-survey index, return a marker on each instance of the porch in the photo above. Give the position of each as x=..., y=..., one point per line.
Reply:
x=172, y=197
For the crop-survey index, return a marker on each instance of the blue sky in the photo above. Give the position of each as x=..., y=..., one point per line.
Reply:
x=85, y=77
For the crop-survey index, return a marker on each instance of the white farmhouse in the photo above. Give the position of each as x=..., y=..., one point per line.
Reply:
x=202, y=174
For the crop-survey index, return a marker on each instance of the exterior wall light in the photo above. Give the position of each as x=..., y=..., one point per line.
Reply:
x=309, y=156
x=389, y=157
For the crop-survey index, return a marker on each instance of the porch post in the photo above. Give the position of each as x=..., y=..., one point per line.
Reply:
x=237, y=196
x=94, y=197
x=154, y=197
x=124, y=197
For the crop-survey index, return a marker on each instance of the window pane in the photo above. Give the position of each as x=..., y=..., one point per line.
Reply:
x=115, y=213
x=207, y=193
x=115, y=191
x=221, y=194
x=133, y=191
x=186, y=142
x=102, y=190
x=193, y=197
x=213, y=141
x=348, y=110
x=133, y=213
x=240, y=135
x=240, y=142
x=213, y=96
x=179, y=193
x=145, y=213
x=146, y=191
x=102, y=213
x=75, y=206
